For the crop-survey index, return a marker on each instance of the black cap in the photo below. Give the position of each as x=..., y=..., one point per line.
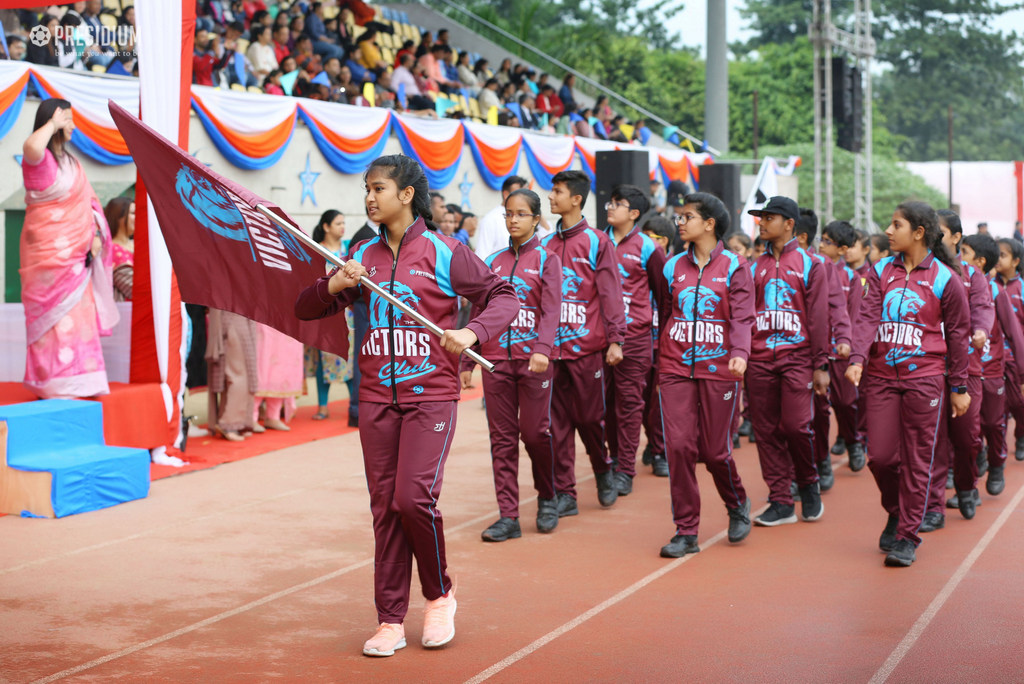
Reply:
x=783, y=206
x=676, y=193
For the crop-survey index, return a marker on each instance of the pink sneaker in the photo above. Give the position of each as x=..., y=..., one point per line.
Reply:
x=388, y=639
x=439, y=620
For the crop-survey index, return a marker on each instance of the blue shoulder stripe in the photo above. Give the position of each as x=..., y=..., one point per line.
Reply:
x=491, y=257
x=995, y=290
x=669, y=271
x=942, y=276
x=443, y=264
x=543, y=260
x=734, y=263
x=882, y=263
x=647, y=248
x=808, y=264
x=358, y=254
x=595, y=243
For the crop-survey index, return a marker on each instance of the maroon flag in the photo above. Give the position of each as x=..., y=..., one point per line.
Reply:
x=226, y=254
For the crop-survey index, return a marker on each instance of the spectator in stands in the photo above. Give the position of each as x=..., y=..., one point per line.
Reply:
x=260, y=16
x=602, y=110
x=432, y=64
x=386, y=96
x=127, y=16
x=261, y=53
x=457, y=210
x=448, y=223
x=507, y=118
x=437, y=207
x=402, y=76
x=614, y=129
x=1017, y=234
x=582, y=126
x=16, y=46
x=426, y=42
x=408, y=48
x=66, y=254
x=272, y=84
x=508, y=93
x=323, y=44
x=548, y=102
x=362, y=12
x=347, y=86
x=281, y=42
x=304, y=56
x=640, y=131
x=203, y=19
x=370, y=56
x=482, y=70
x=255, y=12
x=423, y=82
x=120, y=214
x=467, y=229
x=296, y=28
x=451, y=71
x=566, y=94
x=45, y=55
x=221, y=12
x=98, y=49
x=504, y=73
x=531, y=82
x=529, y=118
x=69, y=50
x=466, y=75
x=206, y=65
x=488, y=97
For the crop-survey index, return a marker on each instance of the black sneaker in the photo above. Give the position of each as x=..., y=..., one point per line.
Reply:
x=751, y=437
x=680, y=545
x=950, y=483
x=736, y=441
x=858, y=457
x=902, y=554
x=995, y=483
x=825, y=476
x=647, y=456
x=968, y=503
x=623, y=483
x=660, y=465
x=794, y=491
x=566, y=504
x=777, y=514
x=811, y=507
x=888, y=538
x=547, y=515
x=933, y=521
x=1018, y=449
x=982, y=461
x=607, y=493
x=746, y=429
x=839, y=448
x=739, y=522
x=504, y=529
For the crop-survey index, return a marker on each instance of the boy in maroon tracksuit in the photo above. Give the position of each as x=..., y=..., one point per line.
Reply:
x=913, y=319
x=661, y=230
x=788, y=363
x=1010, y=270
x=640, y=263
x=410, y=386
x=705, y=341
x=958, y=459
x=518, y=392
x=590, y=334
x=857, y=259
x=1004, y=344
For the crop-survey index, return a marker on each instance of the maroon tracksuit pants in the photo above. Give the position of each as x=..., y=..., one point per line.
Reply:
x=906, y=419
x=405, y=447
x=578, y=403
x=652, y=411
x=843, y=397
x=519, y=405
x=1014, y=399
x=700, y=430
x=781, y=410
x=993, y=419
x=960, y=451
x=822, y=425
x=624, y=399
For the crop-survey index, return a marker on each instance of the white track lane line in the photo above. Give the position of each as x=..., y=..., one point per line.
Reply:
x=940, y=599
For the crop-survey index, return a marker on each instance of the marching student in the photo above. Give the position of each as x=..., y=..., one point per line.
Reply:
x=661, y=230
x=1009, y=270
x=879, y=248
x=788, y=363
x=410, y=385
x=1006, y=342
x=518, y=392
x=857, y=254
x=913, y=329
x=958, y=459
x=590, y=334
x=704, y=344
x=640, y=263
x=837, y=239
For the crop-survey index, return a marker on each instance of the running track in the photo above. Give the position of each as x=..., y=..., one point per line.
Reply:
x=260, y=570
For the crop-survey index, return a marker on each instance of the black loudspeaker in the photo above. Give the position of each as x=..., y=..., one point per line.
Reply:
x=619, y=167
x=723, y=181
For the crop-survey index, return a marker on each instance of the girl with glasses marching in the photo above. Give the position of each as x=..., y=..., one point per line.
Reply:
x=518, y=392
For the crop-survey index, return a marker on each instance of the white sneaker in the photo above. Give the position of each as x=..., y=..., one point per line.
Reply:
x=388, y=639
x=439, y=620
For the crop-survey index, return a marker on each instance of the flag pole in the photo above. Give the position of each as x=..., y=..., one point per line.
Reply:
x=301, y=236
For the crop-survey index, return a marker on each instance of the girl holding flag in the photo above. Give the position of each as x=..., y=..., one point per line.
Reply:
x=410, y=385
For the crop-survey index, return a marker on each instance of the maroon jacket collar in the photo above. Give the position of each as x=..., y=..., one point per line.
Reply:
x=790, y=246
x=692, y=256
x=571, y=230
x=417, y=228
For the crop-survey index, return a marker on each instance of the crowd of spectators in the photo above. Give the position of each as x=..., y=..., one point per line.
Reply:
x=341, y=51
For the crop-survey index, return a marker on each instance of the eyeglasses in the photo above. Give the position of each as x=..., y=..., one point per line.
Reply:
x=522, y=216
x=681, y=219
x=608, y=206
x=828, y=242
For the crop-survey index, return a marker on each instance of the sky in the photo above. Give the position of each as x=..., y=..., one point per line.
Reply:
x=691, y=23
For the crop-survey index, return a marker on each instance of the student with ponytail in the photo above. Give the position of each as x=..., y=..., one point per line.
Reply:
x=913, y=329
x=410, y=385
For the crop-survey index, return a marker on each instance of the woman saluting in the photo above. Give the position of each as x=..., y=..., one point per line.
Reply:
x=410, y=386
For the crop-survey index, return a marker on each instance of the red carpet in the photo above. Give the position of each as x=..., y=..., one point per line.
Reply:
x=207, y=452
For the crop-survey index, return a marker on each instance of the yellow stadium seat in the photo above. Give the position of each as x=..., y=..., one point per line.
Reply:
x=109, y=21
x=463, y=104
x=254, y=89
x=388, y=55
x=241, y=45
x=331, y=11
x=99, y=68
x=112, y=5
x=238, y=86
x=370, y=93
x=492, y=116
x=474, y=108
x=357, y=31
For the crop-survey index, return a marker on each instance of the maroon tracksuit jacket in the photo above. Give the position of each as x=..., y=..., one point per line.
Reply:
x=842, y=394
x=709, y=313
x=790, y=339
x=408, y=395
x=839, y=321
x=909, y=324
x=591, y=318
x=1014, y=400
x=965, y=432
x=518, y=401
x=1005, y=347
x=640, y=262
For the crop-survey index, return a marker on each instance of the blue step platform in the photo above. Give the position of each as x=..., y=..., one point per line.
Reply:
x=59, y=443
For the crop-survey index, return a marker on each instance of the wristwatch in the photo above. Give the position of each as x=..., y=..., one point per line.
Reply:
x=959, y=389
x=822, y=367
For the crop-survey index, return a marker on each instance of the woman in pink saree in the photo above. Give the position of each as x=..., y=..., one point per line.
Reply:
x=66, y=259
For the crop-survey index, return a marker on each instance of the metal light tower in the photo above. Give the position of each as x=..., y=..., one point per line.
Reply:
x=824, y=36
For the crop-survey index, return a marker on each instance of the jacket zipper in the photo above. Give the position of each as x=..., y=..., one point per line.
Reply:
x=775, y=318
x=391, y=324
x=899, y=316
x=696, y=295
x=514, y=265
